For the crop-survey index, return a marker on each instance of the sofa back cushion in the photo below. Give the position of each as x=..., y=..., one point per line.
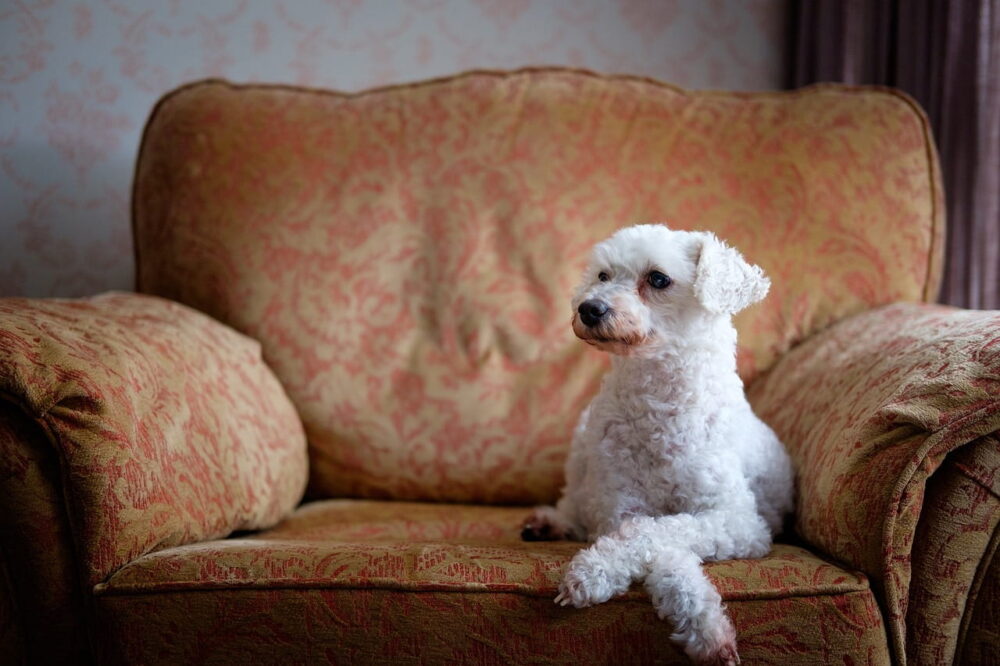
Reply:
x=406, y=255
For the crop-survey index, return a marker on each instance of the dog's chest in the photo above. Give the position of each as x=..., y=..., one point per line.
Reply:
x=648, y=456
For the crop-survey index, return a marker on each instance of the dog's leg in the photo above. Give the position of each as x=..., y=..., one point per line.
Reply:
x=679, y=588
x=682, y=594
x=667, y=552
x=719, y=534
x=550, y=523
x=604, y=570
x=614, y=561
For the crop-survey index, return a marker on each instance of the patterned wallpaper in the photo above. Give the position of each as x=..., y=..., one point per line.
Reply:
x=78, y=78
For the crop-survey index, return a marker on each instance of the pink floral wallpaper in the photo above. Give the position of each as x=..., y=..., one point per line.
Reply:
x=78, y=78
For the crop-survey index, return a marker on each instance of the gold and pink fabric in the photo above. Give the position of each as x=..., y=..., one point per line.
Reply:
x=366, y=297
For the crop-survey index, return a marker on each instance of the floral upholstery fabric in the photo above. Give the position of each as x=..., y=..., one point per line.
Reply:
x=980, y=632
x=951, y=550
x=373, y=582
x=168, y=427
x=869, y=409
x=406, y=256
x=36, y=548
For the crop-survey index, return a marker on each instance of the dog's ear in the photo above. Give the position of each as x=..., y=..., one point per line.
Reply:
x=724, y=283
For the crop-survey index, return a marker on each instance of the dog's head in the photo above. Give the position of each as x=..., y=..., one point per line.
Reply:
x=648, y=285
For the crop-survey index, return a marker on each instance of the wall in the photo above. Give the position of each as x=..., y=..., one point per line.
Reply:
x=77, y=80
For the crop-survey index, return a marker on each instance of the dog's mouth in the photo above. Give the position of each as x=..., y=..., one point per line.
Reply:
x=609, y=337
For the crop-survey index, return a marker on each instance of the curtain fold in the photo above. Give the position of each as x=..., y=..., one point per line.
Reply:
x=946, y=54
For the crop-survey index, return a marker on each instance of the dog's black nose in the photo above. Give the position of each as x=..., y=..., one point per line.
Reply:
x=592, y=312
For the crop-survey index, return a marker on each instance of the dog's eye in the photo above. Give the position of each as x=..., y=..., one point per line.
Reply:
x=658, y=280
x=603, y=277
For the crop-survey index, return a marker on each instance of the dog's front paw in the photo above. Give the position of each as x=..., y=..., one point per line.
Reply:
x=725, y=656
x=590, y=580
x=544, y=524
x=581, y=591
x=711, y=643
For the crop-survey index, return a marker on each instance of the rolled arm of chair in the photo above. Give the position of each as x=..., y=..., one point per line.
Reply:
x=162, y=427
x=891, y=418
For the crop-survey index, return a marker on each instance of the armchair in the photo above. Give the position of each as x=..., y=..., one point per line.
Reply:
x=363, y=296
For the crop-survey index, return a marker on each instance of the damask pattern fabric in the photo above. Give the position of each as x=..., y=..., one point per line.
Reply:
x=405, y=256
x=384, y=626
x=868, y=410
x=980, y=632
x=369, y=581
x=168, y=426
x=36, y=547
x=960, y=515
x=366, y=543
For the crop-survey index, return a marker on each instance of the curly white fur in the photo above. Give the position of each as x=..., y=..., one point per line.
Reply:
x=669, y=466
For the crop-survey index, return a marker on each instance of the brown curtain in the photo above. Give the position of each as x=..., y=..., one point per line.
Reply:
x=946, y=54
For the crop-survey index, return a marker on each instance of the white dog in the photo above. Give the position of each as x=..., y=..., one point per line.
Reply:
x=669, y=466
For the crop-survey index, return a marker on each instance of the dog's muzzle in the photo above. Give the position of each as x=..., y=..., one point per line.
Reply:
x=593, y=312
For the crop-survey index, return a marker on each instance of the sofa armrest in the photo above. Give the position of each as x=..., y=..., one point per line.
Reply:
x=952, y=597
x=869, y=410
x=166, y=426
x=44, y=595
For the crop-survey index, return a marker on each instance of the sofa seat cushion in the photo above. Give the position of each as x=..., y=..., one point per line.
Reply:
x=369, y=581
